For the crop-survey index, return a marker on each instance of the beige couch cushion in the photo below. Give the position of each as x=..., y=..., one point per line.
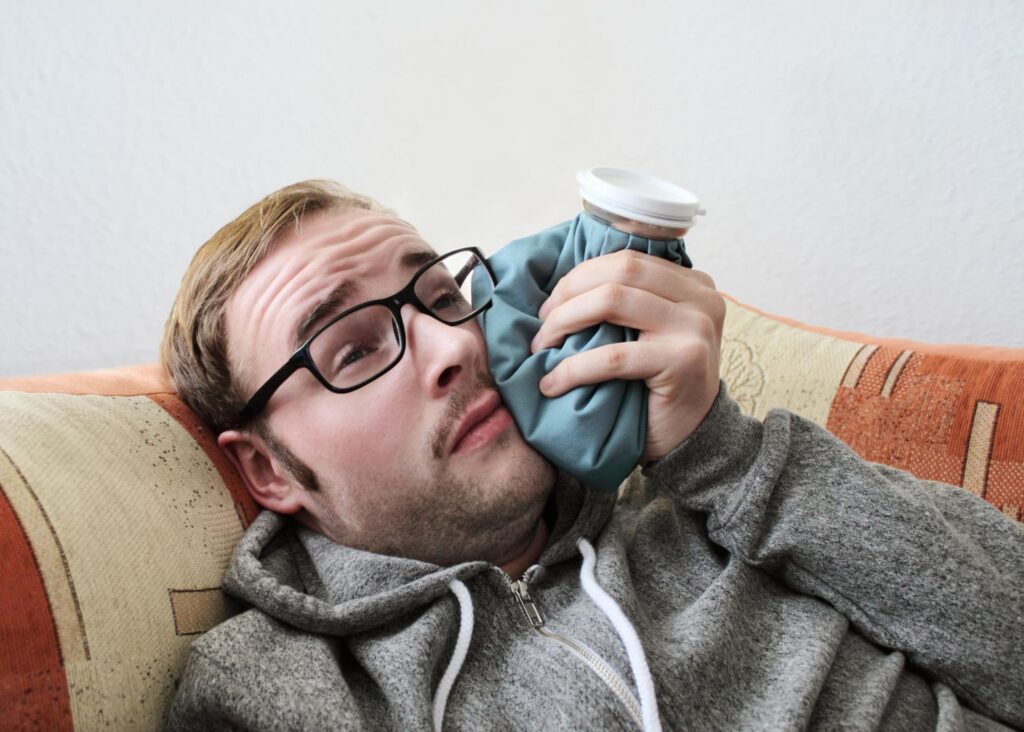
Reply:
x=117, y=517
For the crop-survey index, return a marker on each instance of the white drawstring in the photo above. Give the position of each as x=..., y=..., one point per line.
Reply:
x=628, y=636
x=458, y=655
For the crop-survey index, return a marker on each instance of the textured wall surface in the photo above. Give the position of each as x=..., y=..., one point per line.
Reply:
x=862, y=162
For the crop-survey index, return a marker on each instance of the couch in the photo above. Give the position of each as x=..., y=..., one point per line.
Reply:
x=118, y=513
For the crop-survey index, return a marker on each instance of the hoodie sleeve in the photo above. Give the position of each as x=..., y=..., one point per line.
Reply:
x=221, y=693
x=253, y=672
x=917, y=566
x=202, y=699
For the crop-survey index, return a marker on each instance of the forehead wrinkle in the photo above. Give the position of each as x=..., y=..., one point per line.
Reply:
x=334, y=302
x=321, y=237
x=342, y=295
x=255, y=316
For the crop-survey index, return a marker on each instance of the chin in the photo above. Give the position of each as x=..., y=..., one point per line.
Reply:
x=474, y=513
x=527, y=486
x=500, y=515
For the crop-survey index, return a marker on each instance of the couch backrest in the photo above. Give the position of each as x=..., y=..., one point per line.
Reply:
x=948, y=413
x=118, y=513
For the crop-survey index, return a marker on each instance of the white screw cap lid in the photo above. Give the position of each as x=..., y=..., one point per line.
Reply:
x=639, y=197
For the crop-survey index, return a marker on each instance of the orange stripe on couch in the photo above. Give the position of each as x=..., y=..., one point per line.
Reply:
x=146, y=378
x=33, y=687
x=941, y=417
x=245, y=507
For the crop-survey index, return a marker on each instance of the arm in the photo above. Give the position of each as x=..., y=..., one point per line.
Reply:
x=252, y=673
x=924, y=568
x=201, y=698
x=254, y=685
x=920, y=567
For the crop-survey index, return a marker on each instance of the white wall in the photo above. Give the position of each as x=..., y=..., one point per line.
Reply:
x=862, y=162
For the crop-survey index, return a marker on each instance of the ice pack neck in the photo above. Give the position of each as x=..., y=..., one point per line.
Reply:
x=597, y=432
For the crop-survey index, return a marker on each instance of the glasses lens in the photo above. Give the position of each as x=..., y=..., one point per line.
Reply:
x=357, y=347
x=455, y=287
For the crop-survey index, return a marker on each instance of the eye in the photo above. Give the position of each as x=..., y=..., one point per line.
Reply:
x=448, y=299
x=352, y=353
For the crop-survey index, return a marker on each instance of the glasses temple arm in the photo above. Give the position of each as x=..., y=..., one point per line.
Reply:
x=259, y=400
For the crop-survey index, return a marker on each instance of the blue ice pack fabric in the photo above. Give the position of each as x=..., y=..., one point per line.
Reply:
x=595, y=432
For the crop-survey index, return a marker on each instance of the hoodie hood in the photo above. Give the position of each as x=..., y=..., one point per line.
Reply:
x=306, y=580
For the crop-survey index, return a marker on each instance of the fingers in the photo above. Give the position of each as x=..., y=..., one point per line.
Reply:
x=631, y=268
x=679, y=316
x=608, y=303
x=630, y=307
x=659, y=363
x=615, y=361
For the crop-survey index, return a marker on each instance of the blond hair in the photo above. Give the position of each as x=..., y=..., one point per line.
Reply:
x=194, y=350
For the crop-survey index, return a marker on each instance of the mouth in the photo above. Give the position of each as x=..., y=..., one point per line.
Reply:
x=485, y=419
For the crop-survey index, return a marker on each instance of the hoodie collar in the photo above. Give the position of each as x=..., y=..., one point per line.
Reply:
x=303, y=578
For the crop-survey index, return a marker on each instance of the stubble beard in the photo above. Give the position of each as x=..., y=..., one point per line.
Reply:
x=464, y=518
x=446, y=518
x=494, y=520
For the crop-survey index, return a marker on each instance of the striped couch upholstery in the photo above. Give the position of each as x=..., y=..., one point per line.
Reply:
x=118, y=513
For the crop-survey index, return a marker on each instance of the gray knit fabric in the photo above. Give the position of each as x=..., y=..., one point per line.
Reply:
x=775, y=580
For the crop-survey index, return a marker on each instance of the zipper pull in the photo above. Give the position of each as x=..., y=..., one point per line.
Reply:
x=522, y=594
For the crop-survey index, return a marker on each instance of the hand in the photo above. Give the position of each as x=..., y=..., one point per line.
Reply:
x=679, y=316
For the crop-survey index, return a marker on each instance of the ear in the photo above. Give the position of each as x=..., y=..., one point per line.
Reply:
x=269, y=483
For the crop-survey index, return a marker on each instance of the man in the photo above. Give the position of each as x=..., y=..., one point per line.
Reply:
x=419, y=565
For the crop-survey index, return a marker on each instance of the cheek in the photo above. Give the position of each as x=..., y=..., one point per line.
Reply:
x=478, y=335
x=363, y=433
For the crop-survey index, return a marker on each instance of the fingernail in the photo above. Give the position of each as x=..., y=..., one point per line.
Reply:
x=546, y=383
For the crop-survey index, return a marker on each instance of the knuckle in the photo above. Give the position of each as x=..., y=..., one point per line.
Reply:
x=705, y=317
x=694, y=355
x=705, y=279
x=612, y=296
x=706, y=329
x=717, y=310
x=629, y=266
x=632, y=254
x=615, y=359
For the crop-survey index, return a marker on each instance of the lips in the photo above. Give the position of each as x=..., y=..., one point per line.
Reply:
x=480, y=411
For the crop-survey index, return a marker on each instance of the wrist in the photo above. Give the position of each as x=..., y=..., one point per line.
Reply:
x=723, y=438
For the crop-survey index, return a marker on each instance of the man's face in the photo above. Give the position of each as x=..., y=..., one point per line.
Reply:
x=393, y=475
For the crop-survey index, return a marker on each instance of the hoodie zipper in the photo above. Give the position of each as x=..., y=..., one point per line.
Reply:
x=598, y=665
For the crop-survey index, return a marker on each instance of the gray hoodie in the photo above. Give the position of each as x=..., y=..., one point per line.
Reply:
x=761, y=576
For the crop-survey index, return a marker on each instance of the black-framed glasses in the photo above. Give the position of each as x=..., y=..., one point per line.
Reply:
x=364, y=342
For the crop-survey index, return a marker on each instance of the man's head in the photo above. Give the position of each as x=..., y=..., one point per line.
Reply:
x=377, y=468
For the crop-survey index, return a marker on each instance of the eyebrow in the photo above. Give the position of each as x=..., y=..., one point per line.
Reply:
x=342, y=294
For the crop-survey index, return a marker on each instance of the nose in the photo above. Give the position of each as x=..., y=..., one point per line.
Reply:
x=444, y=355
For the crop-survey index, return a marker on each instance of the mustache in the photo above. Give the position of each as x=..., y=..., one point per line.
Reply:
x=454, y=411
